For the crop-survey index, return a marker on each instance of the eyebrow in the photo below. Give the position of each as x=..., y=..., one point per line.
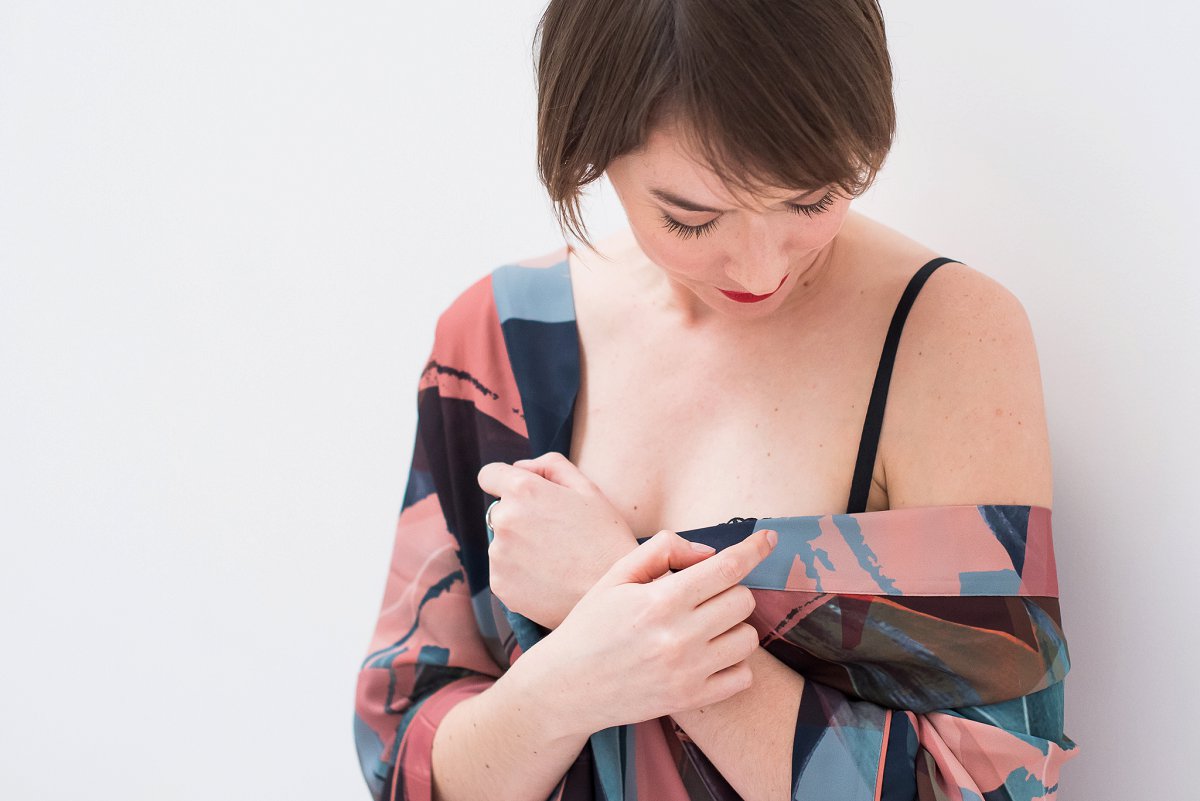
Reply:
x=691, y=205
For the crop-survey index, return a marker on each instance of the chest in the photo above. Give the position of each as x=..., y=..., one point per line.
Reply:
x=682, y=434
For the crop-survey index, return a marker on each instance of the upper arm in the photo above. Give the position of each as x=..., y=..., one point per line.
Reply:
x=965, y=419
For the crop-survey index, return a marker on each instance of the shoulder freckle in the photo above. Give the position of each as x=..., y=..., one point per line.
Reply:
x=969, y=419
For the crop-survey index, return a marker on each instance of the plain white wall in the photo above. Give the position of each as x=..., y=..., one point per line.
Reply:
x=227, y=229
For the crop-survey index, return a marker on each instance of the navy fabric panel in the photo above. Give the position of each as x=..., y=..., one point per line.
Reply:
x=899, y=762
x=720, y=536
x=450, y=451
x=545, y=364
x=1010, y=524
x=810, y=728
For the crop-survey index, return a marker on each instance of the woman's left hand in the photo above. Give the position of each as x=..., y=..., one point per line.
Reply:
x=555, y=535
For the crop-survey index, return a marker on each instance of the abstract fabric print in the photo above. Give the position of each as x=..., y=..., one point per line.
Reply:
x=930, y=638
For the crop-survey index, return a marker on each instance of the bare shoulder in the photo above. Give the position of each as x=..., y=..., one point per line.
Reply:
x=965, y=406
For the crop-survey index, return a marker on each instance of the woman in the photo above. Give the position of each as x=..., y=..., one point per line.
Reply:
x=722, y=356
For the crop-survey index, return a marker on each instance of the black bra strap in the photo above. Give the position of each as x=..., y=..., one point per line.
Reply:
x=868, y=445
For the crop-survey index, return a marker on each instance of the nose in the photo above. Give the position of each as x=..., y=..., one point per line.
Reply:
x=760, y=264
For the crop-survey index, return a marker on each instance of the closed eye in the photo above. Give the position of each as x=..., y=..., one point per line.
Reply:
x=692, y=231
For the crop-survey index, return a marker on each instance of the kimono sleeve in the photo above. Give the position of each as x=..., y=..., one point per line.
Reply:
x=934, y=698
x=931, y=644
x=427, y=653
x=851, y=749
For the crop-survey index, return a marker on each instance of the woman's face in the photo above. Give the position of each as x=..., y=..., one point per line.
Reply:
x=766, y=248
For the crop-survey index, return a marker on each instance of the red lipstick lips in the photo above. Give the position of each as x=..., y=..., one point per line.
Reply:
x=746, y=297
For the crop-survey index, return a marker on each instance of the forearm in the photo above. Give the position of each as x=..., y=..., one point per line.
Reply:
x=748, y=737
x=503, y=743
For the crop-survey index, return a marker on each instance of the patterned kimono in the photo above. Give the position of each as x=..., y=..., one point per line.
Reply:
x=930, y=638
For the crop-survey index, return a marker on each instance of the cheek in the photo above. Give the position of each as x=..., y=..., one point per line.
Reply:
x=671, y=252
x=823, y=227
x=813, y=233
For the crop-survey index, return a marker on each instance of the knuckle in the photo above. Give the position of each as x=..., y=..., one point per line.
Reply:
x=746, y=675
x=749, y=604
x=523, y=484
x=667, y=645
x=657, y=601
x=751, y=635
x=500, y=518
x=730, y=567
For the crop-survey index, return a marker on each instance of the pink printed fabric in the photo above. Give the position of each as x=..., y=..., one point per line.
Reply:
x=930, y=638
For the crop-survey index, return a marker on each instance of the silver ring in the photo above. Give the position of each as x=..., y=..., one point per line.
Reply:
x=487, y=516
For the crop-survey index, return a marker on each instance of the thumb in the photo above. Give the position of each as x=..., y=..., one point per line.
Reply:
x=663, y=552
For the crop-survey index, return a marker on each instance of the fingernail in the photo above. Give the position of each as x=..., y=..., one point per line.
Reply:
x=700, y=547
x=772, y=537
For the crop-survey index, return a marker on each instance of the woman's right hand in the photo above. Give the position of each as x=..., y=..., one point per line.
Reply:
x=645, y=642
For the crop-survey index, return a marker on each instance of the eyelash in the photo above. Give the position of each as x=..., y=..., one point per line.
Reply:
x=685, y=231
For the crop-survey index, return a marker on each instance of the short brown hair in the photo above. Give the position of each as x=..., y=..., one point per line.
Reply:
x=787, y=93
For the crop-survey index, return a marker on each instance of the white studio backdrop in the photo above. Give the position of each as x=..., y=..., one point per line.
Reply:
x=227, y=230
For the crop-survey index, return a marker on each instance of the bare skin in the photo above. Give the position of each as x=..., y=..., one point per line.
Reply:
x=781, y=435
x=694, y=408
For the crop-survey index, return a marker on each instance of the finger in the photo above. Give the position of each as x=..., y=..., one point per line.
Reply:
x=723, y=569
x=729, y=647
x=726, y=609
x=553, y=466
x=684, y=557
x=500, y=479
x=730, y=681
x=654, y=558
